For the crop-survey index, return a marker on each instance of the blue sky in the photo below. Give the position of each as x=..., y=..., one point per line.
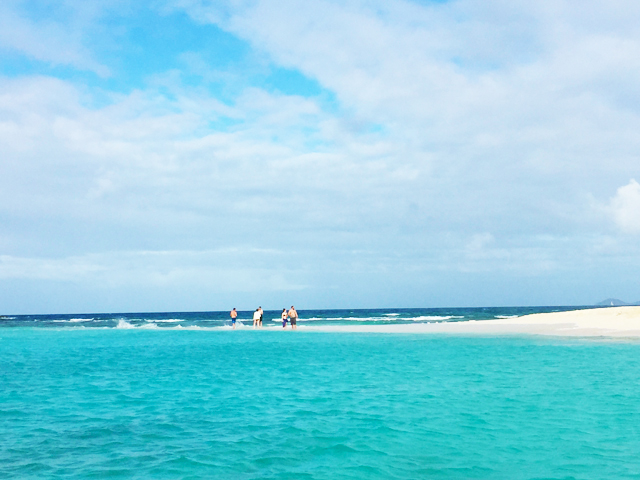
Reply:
x=198, y=155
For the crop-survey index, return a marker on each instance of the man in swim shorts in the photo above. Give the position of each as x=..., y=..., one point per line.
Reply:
x=293, y=318
x=233, y=315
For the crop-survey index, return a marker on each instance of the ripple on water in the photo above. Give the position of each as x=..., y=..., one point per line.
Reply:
x=213, y=405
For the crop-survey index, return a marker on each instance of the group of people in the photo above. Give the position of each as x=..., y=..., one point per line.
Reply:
x=291, y=316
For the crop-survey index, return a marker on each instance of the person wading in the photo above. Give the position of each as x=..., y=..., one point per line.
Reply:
x=293, y=318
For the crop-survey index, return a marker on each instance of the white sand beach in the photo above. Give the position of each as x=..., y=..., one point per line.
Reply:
x=596, y=322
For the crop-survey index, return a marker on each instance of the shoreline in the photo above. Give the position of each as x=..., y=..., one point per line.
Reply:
x=604, y=322
x=594, y=322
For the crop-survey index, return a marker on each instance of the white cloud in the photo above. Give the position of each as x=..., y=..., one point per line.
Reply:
x=483, y=136
x=149, y=160
x=625, y=207
x=479, y=243
x=482, y=253
x=517, y=90
x=213, y=269
x=58, y=43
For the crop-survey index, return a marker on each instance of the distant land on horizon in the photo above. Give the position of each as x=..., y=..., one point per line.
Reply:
x=615, y=302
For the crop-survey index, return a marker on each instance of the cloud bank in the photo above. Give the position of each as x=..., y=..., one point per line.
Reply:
x=395, y=153
x=625, y=207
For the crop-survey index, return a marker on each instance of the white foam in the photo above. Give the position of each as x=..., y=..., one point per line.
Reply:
x=123, y=324
x=149, y=326
x=73, y=320
x=353, y=319
x=424, y=327
x=507, y=316
x=385, y=318
x=434, y=317
x=169, y=320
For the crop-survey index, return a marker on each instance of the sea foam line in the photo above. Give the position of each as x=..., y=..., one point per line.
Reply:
x=73, y=320
x=124, y=325
x=383, y=319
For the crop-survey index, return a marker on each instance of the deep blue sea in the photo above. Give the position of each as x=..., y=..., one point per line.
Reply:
x=183, y=396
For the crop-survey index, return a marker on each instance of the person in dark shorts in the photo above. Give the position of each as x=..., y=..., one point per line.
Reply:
x=293, y=318
x=233, y=315
x=284, y=318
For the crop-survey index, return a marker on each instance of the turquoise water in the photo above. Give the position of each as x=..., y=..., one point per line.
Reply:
x=176, y=404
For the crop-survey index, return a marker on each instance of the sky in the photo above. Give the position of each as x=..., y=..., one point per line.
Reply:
x=197, y=155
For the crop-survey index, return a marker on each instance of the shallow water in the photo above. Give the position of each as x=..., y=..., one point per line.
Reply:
x=136, y=403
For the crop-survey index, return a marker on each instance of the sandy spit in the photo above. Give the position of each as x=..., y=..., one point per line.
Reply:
x=596, y=322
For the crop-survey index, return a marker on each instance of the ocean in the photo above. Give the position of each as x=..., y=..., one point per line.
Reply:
x=309, y=318
x=183, y=396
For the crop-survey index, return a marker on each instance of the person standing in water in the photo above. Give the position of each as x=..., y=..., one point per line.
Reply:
x=256, y=318
x=233, y=315
x=284, y=318
x=293, y=316
x=261, y=315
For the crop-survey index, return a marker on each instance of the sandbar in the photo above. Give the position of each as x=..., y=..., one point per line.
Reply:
x=593, y=322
